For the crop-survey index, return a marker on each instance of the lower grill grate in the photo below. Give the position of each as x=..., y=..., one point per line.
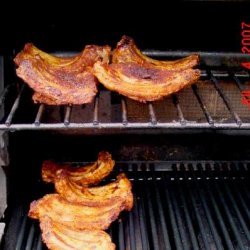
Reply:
x=193, y=206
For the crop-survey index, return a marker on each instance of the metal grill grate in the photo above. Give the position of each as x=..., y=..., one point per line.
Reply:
x=228, y=102
x=191, y=206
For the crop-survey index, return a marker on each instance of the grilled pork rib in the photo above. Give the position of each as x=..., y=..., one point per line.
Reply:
x=143, y=83
x=95, y=196
x=57, y=80
x=83, y=175
x=127, y=52
x=74, y=215
x=141, y=78
x=59, y=237
x=74, y=218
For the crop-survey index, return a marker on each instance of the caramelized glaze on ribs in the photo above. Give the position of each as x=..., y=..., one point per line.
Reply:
x=127, y=52
x=59, y=237
x=60, y=80
x=96, y=196
x=143, y=83
x=83, y=175
x=74, y=218
x=141, y=78
x=74, y=215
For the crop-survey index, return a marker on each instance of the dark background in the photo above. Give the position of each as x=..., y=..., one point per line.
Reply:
x=69, y=25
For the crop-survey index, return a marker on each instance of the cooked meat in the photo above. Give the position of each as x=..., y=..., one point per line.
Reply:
x=143, y=83
x=41, y=98
x=127, y=52
x=74, y=215
x=88, y=57
x=59, y=237
x=96, y=196
x=60, y=80
x=83, y=175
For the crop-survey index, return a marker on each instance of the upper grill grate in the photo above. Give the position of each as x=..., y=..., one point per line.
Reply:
x=214, y=104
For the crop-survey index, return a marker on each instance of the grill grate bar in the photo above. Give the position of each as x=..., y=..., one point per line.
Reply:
x=96, y=111
x=39, y=243
x=203, y=106
x=238, y=83
x=30, y=237
x=115, y=127
x=179, y=220
x=132, y=232
x=162, y=217
x=243, y=203
x=21, y=234
x=237, y=211
x=124, y=111
x=152, y=115
x=207, y=212
x=176, y=232
x=199, y=219
x=218, y=215
x=196, y=209
x=142, y=222
x=152, y=218
x=121, y=236
x=39, y=114
x=228, y=211
x=188, y=220
x=226, y=101
x=4, y=93
x=245, y=192
x=230, y=218
x=138, y=239
x=14, y=107
x=179, y=110
x=67, y=115
x=127, y=236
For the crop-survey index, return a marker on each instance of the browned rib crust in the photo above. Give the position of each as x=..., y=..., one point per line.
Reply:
x=143, y=83
x=59, y=237
x=127, y=52
x=87, y=58
x=83, y=175
x=60, y=80
x=41, y=98
x=96, y=196
x=76, y=216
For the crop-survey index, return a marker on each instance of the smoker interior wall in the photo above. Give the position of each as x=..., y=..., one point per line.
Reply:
x=28, y=149
x=68, y=26
x=37, y=146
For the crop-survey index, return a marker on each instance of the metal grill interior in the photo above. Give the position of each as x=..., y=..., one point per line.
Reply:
x=178, y=205
x=213, y=103
x=191, y=190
